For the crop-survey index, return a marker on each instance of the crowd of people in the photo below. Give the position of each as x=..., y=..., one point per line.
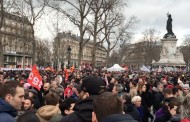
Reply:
x=95, y=96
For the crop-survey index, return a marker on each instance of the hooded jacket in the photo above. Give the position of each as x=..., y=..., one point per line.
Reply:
x=118, y=118
x=83, y=111
x=7, y=112
x=45, y=113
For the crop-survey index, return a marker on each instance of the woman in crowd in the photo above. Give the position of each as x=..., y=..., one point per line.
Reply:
x=185, y=109
x=142, y=92
x=133, y=88
x=136, y=100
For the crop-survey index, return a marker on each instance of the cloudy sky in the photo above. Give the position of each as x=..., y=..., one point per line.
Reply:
x=151, y=13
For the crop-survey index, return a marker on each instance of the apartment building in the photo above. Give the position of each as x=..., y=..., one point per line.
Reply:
x=16, y=36
x=61, y=56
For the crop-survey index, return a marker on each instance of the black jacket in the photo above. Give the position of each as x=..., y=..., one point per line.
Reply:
x=157, y=100
x=132, y=111
x=118, y=118
x=83, y=111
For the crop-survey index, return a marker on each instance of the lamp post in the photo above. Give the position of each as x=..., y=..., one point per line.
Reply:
x=69, y=55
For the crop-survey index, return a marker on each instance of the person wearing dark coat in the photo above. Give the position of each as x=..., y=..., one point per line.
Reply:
x=145, y=96
x=11, y=99
x=118, y=118
x=90, y=88
x=108, y=107
x=128, y=107
x=81, y=111
x=158, y=97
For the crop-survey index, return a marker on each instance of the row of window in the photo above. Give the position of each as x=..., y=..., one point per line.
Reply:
x=16, y=59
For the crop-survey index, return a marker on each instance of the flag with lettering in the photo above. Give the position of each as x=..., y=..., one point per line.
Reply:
x=34, y=78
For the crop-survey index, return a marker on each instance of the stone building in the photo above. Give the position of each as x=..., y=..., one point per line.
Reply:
x=16, y=36
x=61, y=44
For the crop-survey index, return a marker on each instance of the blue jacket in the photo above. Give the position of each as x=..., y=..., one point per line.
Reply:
x=7, y=112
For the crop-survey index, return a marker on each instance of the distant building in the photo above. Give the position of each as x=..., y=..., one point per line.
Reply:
x=16, y=35
x=61, y=43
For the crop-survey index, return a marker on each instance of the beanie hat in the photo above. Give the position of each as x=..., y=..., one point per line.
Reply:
x=93, y=85
x=186, y=86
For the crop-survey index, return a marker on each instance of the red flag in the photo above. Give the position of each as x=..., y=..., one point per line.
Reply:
x=34, y=78
x=66, y=74
x=72, y=69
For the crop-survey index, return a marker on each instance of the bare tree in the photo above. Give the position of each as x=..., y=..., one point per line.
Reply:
x=44, y=53
x=101, y=18
x=1, y=41
x=186, y=49
x=150, y=40
x=33, y=9
x=113, y=23
x=77, y=13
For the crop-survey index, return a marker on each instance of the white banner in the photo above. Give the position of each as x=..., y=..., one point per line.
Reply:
x=14, y=69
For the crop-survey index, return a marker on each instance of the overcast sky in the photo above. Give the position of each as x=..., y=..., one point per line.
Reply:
x=151, y=13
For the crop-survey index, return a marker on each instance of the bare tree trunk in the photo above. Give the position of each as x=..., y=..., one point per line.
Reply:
x=1, y=51
x=1, y=41
x=107, y=58
x=93, y=57
x=34, y=47
x=80, y=56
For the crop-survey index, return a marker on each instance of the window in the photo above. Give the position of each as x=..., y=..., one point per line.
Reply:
x=11, y=59
x=19, y=59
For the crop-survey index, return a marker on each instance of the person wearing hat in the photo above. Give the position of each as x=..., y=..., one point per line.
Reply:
x=185, y=90
x=90, y=88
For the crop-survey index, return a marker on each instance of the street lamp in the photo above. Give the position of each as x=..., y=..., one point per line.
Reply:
x=69, y=55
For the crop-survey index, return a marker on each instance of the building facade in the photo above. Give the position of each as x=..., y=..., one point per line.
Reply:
x=61, y=56
x=16, y=36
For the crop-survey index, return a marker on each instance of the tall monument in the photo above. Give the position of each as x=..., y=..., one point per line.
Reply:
x=170, y=54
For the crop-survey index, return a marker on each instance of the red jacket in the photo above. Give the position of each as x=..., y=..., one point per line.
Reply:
x=185, y=120
x=68, y=92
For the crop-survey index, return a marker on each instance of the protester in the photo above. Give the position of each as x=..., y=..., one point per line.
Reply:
x=145, y=97
x=185, y=109
x=157, y=95
x=108, y=107
x=118, y=89
x=45, y=113
x=28, y=117
x=68, y=91
x=29, y=105
x=46, y=88
x=66, y=108
x=32, y=93
x=11, y=99
x=171, y=111
x=133, y=89
x=128, y=107
x=185, y=89
x=90, y=88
